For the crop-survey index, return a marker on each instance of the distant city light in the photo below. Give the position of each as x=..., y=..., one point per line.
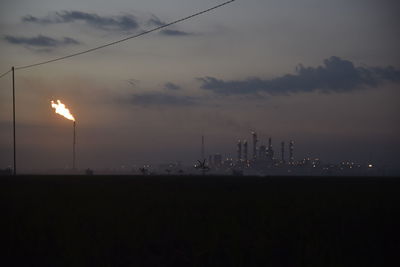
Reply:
x=370, y=165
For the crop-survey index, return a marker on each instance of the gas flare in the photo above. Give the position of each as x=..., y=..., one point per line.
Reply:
x=62, y=110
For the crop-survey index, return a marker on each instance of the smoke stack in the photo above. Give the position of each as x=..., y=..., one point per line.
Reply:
x=283, y=151
x=202, y=148
x=73, y=147
x=254, y=145
x=270, y=152
x=245, y=150
x=291, y=158
x=239, y=150
x=63, y=111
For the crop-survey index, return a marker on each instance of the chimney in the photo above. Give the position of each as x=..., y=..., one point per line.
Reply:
x=291, y=158
x=245, y=150
x=202, y=148
x=254, y=134
x=239, y=151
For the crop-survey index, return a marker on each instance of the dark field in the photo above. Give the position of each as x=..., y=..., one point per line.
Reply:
x=198, y=221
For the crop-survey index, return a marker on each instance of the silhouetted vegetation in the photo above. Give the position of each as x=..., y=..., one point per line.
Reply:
x=198, y=221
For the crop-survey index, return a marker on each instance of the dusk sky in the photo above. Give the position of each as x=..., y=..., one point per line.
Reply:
x=325, y=74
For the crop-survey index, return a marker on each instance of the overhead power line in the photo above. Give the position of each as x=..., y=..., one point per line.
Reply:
x=5, y=73
x=121, y=40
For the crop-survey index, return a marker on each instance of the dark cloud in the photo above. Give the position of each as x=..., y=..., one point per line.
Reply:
x=154, y=20
x=133, y=82
x=109, y=23
x=68, y=40
x=122, y=23
x=336, y=75
x=171, y=86
x=40, y=41
x=162, y=99
x=32, y=19
x=175, y=33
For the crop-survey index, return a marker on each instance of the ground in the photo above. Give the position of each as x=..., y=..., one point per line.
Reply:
x=198, y=221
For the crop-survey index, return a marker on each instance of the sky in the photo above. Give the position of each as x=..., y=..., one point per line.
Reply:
x=325, y=74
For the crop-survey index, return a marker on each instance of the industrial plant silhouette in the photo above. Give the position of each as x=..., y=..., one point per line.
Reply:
x=264, y=160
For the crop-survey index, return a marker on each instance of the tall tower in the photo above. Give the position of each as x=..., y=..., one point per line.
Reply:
x=270, y=152
x=239, y=151
x=202, y=148
x=254, y=134
x=283, y=152
x=245, y=151
x=291, y=157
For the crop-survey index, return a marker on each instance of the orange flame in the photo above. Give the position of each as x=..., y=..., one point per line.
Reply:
x=62, y=110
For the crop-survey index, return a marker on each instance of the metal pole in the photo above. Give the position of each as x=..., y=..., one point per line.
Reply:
x=202, y=148
x=73, y=148
x=15, y=155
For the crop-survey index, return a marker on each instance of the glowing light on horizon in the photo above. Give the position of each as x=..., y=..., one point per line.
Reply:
x=62, y=110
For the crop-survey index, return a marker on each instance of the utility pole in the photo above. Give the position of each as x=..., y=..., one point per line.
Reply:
x=15, y=155
x=202, y=148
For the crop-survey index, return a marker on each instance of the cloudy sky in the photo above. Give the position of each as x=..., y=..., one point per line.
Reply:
x=323, y=73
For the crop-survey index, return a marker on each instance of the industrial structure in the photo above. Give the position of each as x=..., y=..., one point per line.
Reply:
x=202, y=148
x=263, y=156
x=264, y=161
x=270, y=151
x=255, y=140
x=245, y=152
x=291, y=157
x=239, y=151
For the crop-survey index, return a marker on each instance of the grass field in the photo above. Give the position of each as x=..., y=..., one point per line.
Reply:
x=198, y=221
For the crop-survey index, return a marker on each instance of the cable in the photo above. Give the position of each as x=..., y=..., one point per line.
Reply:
x=5, y=73
x=122, y=40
